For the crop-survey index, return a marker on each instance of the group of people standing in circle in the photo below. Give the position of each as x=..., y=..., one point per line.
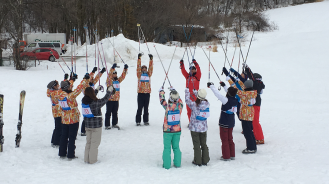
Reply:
x=242, y=98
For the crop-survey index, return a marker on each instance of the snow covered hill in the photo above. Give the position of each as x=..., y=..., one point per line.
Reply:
x=294, y=114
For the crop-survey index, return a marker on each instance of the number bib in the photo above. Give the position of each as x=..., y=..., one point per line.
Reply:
x=86, y=111
x=173, y=117
x=116, y=85
x=145, y=77
x=203, y=115
x=64, y=105
x=231, y=111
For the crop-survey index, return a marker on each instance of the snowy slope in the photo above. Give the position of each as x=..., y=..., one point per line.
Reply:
x=294, y=114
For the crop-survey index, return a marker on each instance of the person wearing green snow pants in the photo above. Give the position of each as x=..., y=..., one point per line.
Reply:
x=171, y=127
x=171, y=139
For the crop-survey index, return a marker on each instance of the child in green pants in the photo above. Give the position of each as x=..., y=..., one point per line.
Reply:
x=171, y=127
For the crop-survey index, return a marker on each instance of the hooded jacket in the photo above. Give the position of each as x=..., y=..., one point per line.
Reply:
x=196, y=125
x=95, y=107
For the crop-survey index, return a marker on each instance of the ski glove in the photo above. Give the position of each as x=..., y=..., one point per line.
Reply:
x=181, y=62
x=86, y=76
x=103, y=70
x=151, y=56
x=139, y=55
x=66, y=76
x=234, y=72
x=209, y=84
x=222, y=84
x=94, y=70
x=111, y=89
x=114, y=66
x=225, y=71
x=194, y=62
x=126, y=66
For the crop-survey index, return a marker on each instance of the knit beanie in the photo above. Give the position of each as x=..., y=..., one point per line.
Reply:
x=174, y=95
x=248, y=84
x=65, y=85
x=52, y=84
x=231, y=91
x=202, y=93
x=257, y=76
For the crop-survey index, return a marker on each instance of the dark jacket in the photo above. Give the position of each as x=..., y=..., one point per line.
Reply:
x=227, y=120
x=258, y=85
x=95, y=107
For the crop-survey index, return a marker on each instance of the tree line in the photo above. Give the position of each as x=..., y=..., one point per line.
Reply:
x=122, y=16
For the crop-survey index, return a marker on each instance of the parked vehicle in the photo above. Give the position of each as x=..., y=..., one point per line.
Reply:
x=35, y=45
x=44, y=37
x=40, y=54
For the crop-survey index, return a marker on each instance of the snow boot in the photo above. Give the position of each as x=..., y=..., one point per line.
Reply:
x=69, y=159
x=193, y=162
x=221, y=158
x=138, y=124
x=260, y=141
x=83, y=133
x=108, y=128
x=246, y=151
x=116, y=126
x=232, y=158
x=146, y=123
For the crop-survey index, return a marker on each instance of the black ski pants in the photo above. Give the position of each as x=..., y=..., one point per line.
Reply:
x=112, y=108
x=67, y=145
x=83, y=128
x=249, y=135
x=143, y=100
x=56, y=137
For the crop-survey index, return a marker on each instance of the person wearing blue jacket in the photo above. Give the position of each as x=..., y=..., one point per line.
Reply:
x=226, y=119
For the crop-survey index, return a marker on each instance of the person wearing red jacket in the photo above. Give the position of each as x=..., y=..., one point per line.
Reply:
x=192, y=80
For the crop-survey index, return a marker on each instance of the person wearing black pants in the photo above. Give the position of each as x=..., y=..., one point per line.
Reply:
x=57, y=133
x=69, y=134
x=249, y=135
x=112, y=106
x=144, y=90
x=143, y=100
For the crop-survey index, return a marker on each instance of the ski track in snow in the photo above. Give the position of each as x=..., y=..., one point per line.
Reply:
x=294, y=114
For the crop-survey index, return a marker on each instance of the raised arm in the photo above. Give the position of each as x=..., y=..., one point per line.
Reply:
x=162, y=98
x=249, y=73
x=83, y=84
x=109, y=76
x=150, y=69
x=198, y=70
x=220, y=97
x=188, y=101
x=182, y=68
x=101, y=102
x=139, y=66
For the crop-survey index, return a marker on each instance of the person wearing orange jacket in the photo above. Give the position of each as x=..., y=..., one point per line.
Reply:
x=144, y=90
x=192, y=81
x=52, y=92
x=70, y=115
x=112, y=106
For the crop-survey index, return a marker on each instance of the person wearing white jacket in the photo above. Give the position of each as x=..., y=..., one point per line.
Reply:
x=198, y=125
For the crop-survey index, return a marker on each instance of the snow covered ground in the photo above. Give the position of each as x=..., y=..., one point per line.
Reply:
x=294, y=114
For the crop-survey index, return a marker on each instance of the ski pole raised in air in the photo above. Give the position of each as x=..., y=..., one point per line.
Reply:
x=162, y=65
x=144, y=38
x=211, y=64
x=169, y=67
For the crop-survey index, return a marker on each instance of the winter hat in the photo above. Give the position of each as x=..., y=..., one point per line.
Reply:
x=232, y=91
x=114, y=72
x=257, y=76
x=144, y=66
x=65, y=85
x=248, y=84
x=52, y=84
x=174, y=95
x=202, y=93
x=192, y=67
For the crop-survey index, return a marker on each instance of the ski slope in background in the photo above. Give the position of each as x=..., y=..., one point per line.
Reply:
x=294, y=114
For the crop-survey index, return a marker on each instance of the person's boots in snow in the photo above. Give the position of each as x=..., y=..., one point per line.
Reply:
x=221, y=158
x=138, y=124
x=246, y=151
x=83, y=133
x=116, y=126
x=146, y=123
x=108, y=128
x=260, y=141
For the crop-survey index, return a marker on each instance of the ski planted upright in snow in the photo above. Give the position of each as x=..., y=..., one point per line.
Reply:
x=19, y=124
x=1, y=123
